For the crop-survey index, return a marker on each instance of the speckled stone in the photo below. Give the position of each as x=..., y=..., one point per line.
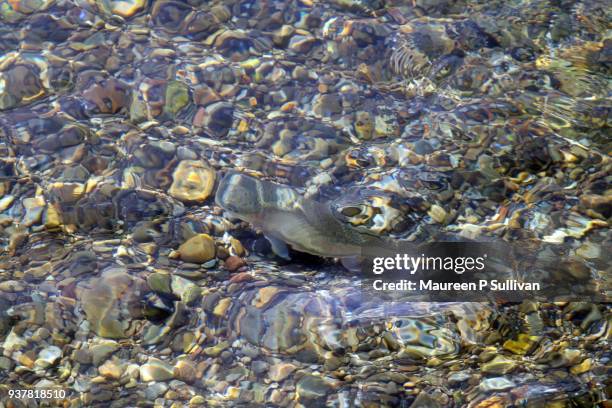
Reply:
x=193, y=181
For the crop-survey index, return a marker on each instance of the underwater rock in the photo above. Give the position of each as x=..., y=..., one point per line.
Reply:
x=192, y=181
x=197, y=249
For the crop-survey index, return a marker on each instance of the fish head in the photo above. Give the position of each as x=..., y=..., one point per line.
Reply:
x=240, y=195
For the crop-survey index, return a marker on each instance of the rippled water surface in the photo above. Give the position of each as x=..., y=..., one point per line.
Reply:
x=124, y=283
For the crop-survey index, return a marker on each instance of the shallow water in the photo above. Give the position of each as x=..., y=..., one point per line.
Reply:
x=122, y=283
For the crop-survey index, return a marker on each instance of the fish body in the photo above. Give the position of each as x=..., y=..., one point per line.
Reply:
x=281, y=213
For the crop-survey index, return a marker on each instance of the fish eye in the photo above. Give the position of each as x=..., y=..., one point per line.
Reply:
x=357, y=214
x=350, y=211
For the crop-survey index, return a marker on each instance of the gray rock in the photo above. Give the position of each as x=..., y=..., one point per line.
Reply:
x=312, y=387
x=259, y=366
x=155, y=390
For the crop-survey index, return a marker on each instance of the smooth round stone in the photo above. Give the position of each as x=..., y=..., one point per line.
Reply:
x=155, y=390
x=6, y=202
x=233, y=263
x=156, y=370
x=437, y=213
x=185, y=371
x=197, y=249
x=111, y=370
x=301, y=43
x=197, y=400
x=48, y=356
x=126, y=8
x=193, y=181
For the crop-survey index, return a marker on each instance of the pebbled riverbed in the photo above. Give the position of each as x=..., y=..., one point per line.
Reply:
x=123, y=283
